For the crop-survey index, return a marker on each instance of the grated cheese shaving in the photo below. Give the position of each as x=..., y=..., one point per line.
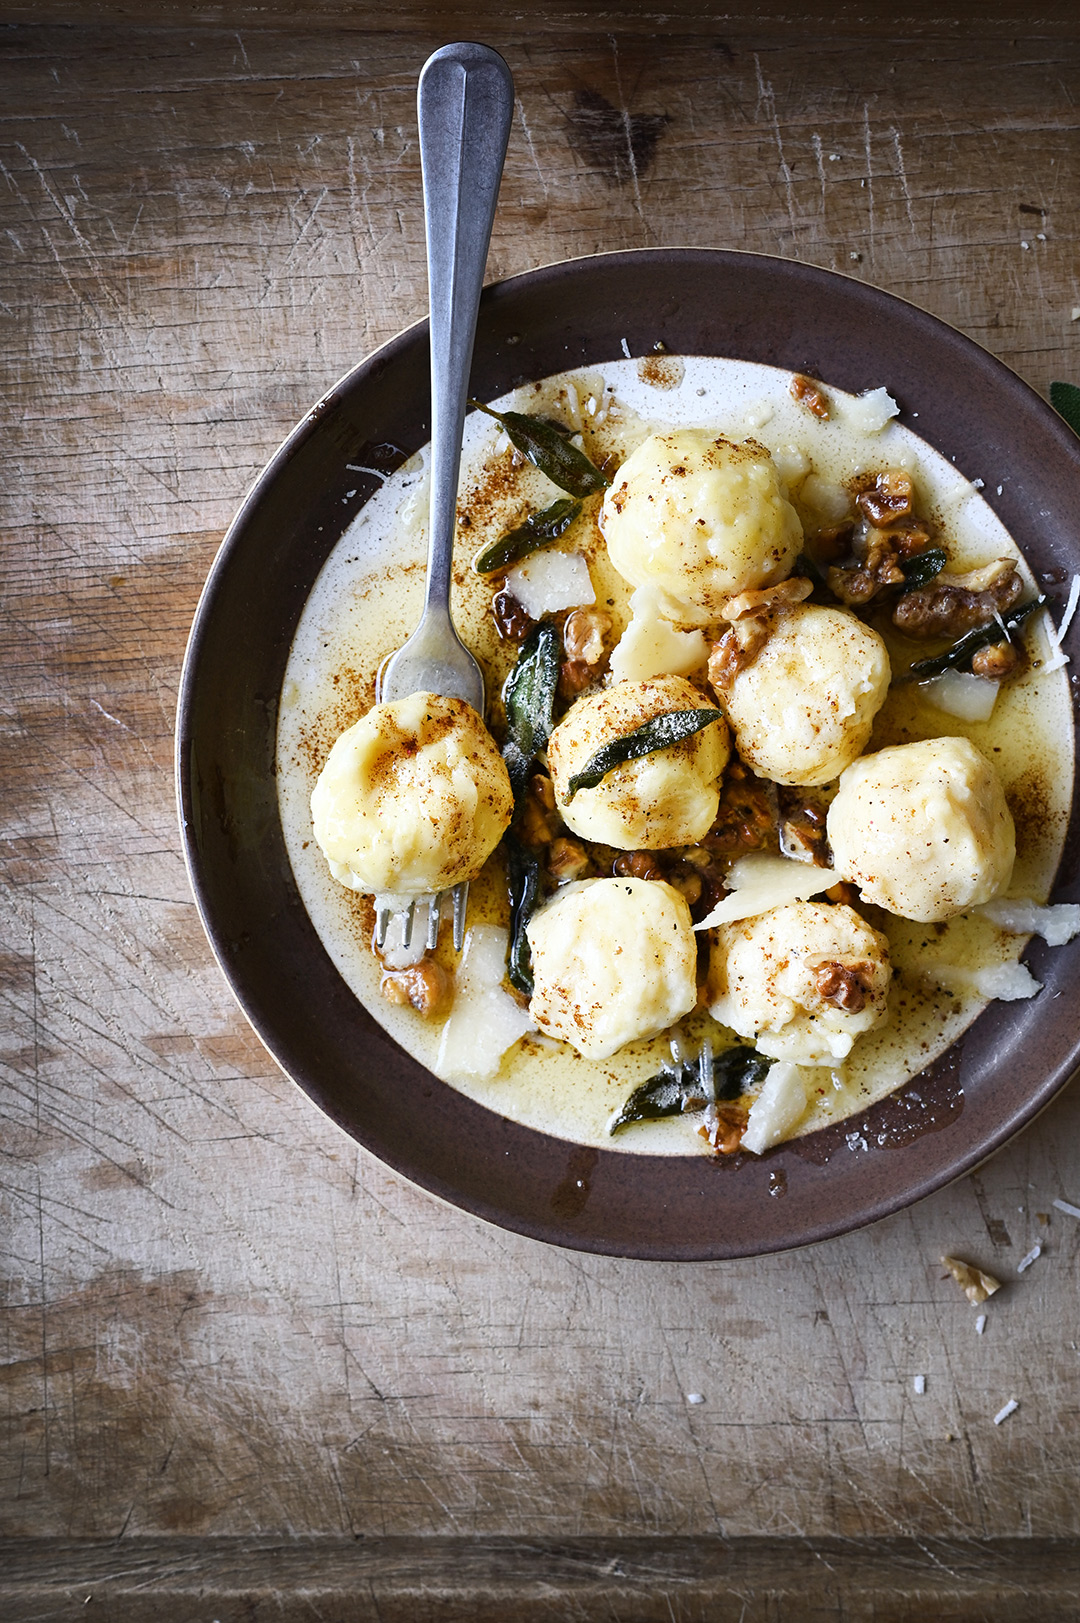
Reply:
x=980, y=1324
x=919, y=1384
x=1009, y=982
x=1058, y=659
x=1032, y=1256
x=1070, y=609
x=759, y=882
x=1003, y=1414
x=1022, y=916
x=1067, y=1207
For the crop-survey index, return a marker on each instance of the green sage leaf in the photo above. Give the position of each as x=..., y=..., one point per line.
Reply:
x=1065, y=399
x=922, y=569
x=679, y=1090
x=960, y=655
x=523, y=883
x=537, y=530
x=529, y=697
x=547, y=446
x=659, y=733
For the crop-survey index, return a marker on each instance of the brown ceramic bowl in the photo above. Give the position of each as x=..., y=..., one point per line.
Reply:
x=1009, y=1064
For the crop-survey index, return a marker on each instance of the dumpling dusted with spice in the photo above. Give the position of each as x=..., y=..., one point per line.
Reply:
x=699, y=517
x=923, y=829
x=413, y=798
x=668, y=796
x=803, y=981
x=614, y=960
x=804, y=707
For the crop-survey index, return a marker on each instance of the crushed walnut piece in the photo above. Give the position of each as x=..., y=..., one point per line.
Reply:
x=802, y=829
x=567, y=860
x=888, y=499
x=879, y=567
x=811, y=395
x=766, y=598
x=746, y=818
x=511, y=621
x=425, y=986
x=637, y=865
x=946, y=609
x=975, y=1285
x=584, y=635
x=736, y=650
x=845, y=986
x=725, y=1133
x=1000, y=659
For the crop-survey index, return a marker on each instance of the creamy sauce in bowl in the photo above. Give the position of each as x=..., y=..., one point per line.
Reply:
x=368, y=598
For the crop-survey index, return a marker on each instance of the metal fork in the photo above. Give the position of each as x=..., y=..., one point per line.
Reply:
x=465, y=101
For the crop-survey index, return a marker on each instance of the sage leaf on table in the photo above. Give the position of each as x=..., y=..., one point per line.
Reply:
x=960, y=655
x=529, y=697
x=1065, y=399
x=659, y=733
x=678, y=1091
x=537, y=530
x=922, y=569
x=547, y=446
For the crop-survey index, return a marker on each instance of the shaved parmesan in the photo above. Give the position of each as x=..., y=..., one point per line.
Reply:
x=1022, y=916
x=1058, y=659
x=776, y=1109
x=826, y=497
x=761, y=882
x=1068, y=1208
x=1032, y=1256
x=485, y=1020
x=1009, y=982
x=550, y=581
x=870, y=412
x=1003, y=1414
x=958, y=693
x=651, y=645
x=1070, y=609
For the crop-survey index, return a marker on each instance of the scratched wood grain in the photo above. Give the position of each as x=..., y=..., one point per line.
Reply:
x=219, y=1317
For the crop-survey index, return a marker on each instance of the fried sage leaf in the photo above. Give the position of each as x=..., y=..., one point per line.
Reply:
x=922, y=568
x=1065, y=399
x=677, y=1091
x=537, y=530
x=523, y=883
x=659, y=733
x=547, y=446
x=529, y=697
x=960, y=655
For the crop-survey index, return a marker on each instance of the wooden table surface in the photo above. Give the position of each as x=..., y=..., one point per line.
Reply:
x=261, y=1374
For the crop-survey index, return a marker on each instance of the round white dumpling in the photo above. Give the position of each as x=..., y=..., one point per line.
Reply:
x=804, y=709
x=923, y=829
x=667, y=798
x=613, y=960
x=699, y=517
x=803, y=981
x=413, y=798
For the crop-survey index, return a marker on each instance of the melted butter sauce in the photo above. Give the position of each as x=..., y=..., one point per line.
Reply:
x=367, y=600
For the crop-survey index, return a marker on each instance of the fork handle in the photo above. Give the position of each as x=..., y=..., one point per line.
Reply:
x=465, y=102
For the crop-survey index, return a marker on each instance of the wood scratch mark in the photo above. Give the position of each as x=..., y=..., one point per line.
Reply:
x=902, y=172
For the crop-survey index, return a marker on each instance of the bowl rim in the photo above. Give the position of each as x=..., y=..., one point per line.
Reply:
x=563, y=1226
